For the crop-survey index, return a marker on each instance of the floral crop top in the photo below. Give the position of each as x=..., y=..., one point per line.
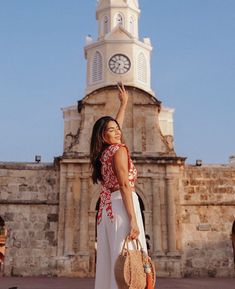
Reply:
x=110, y=180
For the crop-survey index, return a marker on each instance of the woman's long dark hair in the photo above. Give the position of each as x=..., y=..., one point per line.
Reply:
x=97, y=146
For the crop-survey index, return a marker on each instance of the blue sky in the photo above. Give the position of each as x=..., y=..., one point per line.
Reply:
x=42, y=69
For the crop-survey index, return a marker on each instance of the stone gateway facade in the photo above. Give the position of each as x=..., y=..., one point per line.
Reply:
x=48, y=211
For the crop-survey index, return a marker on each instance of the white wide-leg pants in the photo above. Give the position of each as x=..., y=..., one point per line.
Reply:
x=110, y=239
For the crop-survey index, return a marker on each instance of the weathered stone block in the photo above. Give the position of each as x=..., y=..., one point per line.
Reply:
x=52, y=217
x=50, y=236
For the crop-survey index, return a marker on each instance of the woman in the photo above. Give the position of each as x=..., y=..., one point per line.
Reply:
x=119, y=212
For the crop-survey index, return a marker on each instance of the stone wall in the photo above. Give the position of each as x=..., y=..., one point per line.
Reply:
x=29, y=196
x=29, y=205
x=207, y=215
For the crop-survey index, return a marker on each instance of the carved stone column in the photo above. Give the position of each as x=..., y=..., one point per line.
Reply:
x=69, y=216
x=61, y=224
x=171, y=218
x=83, y=257
x=157, y=230
x=93, y=244
x=84, y=216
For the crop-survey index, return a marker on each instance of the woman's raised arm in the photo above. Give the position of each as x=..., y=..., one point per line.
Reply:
x=123, y=97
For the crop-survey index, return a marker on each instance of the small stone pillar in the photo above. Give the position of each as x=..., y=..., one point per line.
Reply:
x=171, y=218
x=69, y=216
x=83, y=256
x=157, y=230
x=84, y=216
x=93, y=244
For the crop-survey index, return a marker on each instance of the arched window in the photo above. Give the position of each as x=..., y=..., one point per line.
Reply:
x=106, y=24
x=97, y=67
x=119, y=19
x=132, y=25
x=141, y=68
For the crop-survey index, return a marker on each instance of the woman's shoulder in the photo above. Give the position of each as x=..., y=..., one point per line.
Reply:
x=117, y=145
x=111, y=150
x=114, y=147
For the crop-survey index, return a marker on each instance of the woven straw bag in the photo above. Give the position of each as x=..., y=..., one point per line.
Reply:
x=133, y=268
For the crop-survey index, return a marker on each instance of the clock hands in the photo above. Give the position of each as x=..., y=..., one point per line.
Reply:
x=119, y=63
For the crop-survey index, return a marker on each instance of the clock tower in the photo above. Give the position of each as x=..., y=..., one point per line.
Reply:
x=118, y=54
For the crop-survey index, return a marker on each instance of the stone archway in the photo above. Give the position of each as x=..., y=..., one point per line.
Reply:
x=94, y=205
x=233, y=240
x=2, y=244
x=142, y=209
x=146, y=211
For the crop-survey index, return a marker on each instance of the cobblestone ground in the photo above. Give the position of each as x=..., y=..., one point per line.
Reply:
x=75, y=283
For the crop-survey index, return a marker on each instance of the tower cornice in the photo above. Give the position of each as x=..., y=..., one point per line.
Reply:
x=133, y=87
x=127, y=41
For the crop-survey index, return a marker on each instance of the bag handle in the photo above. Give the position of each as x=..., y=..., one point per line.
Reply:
x=126, y=242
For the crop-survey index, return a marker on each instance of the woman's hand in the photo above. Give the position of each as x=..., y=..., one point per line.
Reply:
x=123, y=97
x=123, y=94
x=134, y=232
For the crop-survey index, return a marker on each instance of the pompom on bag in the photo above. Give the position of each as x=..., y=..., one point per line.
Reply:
x=134, y=269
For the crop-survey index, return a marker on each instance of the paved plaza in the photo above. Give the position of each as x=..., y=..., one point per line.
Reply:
x=76, y=283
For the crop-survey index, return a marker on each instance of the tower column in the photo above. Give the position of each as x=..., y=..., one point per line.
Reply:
x=84, y=216
x=171, y=218
x=61, y=224
x=69, y=216
x=157, y=186
x=83, y=256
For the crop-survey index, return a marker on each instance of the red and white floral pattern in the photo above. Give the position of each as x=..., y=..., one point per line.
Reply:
x=110, y=180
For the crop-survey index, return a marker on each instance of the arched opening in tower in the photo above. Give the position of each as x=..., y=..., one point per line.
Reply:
x=2, y=244
x=142, y=208
x=233, y=240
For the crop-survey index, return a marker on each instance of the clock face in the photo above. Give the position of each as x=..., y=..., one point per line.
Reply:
x=119, y=63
